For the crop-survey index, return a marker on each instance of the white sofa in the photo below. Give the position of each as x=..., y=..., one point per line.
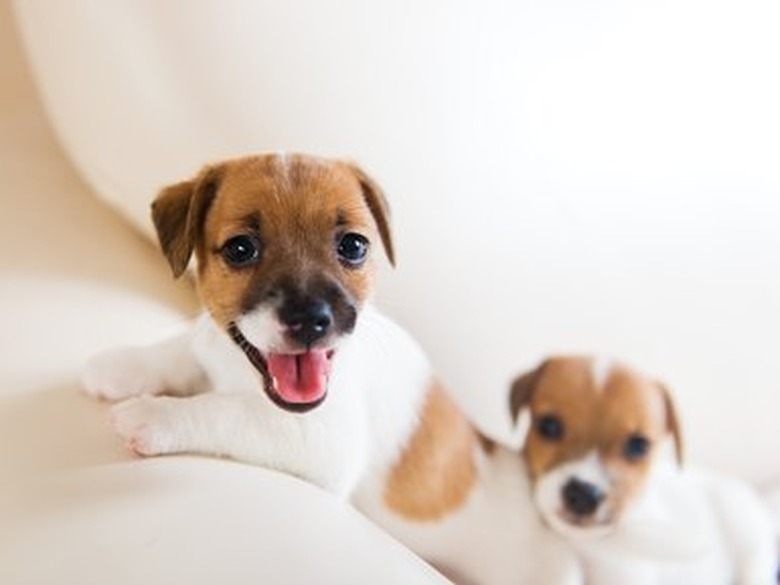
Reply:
x=556, y=184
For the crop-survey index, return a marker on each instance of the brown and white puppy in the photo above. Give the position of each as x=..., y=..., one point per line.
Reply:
x=604, y=457
x=291, y=367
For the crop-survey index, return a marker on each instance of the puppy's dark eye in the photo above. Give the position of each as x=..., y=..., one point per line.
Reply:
x=352, y=249
x=240, y=251
x=550, y=427
x=636, y=447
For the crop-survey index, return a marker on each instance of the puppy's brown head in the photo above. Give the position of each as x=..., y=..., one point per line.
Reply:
x=285, y=248
x=596, y=430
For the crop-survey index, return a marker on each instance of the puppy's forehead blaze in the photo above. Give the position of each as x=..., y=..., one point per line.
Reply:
x=565, y=387
x=595, y=418
x=295, y=198
x=632, y=403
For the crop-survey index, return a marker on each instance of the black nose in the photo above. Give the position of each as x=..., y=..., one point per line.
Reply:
x=307, y=321
x=581, y=498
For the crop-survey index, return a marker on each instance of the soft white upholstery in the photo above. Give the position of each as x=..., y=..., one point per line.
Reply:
x=194, y=521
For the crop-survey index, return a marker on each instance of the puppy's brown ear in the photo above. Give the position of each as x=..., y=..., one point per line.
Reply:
x=178, y=213
x=673, y=424
x=377, y=204
x=522, y=390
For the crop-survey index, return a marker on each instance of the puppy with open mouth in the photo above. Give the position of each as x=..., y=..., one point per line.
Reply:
x=604, y=459
x=290, y=366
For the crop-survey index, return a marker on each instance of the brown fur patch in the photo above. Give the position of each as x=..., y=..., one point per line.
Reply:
x=522, y=390
x=673, y=425
x=178, y=213
x=377, y=203
x=436, y=471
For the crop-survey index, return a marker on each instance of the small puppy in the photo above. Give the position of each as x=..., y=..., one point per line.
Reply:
x=603, y=477
x=291, y=367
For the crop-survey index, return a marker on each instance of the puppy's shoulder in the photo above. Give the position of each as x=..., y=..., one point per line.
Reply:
x=391, y=363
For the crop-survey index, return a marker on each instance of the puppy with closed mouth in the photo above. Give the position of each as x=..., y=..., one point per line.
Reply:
x=291, y=367
x=604, y=459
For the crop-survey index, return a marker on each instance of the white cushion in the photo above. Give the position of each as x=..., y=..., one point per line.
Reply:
x=194, y=521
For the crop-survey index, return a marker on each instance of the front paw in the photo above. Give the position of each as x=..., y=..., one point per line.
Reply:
x=120, y=373
x=147, y=424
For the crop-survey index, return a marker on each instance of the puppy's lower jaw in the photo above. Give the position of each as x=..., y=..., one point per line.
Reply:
x=573, y=527
x=297, y=382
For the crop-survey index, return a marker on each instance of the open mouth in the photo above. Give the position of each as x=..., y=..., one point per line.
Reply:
x=297, y=382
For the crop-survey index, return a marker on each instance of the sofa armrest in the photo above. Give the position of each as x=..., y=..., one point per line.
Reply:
x=196, y=521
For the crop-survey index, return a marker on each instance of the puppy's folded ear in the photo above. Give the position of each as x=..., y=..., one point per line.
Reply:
x=377, y=204
x=178, y=213
x=522, y=391
x=673, y=424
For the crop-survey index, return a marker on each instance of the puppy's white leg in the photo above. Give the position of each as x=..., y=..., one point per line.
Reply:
x=232, y=425
x=168, y=367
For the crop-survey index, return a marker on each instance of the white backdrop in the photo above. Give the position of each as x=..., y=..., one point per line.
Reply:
x=565, y=176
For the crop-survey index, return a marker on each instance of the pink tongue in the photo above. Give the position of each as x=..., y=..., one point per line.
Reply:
x=300, y=378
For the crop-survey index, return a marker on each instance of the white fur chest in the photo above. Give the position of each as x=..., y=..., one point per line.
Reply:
x=377, y=384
